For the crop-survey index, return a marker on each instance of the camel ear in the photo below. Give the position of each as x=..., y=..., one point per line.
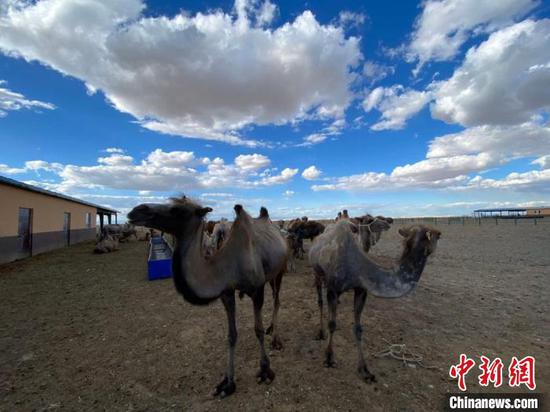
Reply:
x=429, y=235
x=203, y=211
x=404, y=232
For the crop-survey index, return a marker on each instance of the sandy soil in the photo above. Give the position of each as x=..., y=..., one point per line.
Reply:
x=88, y=332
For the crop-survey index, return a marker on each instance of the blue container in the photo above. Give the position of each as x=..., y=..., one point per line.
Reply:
x=159, y=264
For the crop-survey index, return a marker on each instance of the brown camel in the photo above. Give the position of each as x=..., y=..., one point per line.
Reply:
x=340, y=264
x=107, y=244
x=254, y=254
x=382, y=224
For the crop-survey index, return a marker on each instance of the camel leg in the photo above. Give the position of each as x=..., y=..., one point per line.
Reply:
x=321, y=335
x=265, y=374
x=227, y=386
x=358, y=304
x=332, y=300
x=276, y=342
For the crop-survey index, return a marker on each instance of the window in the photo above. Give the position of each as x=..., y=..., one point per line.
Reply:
x=88, y=220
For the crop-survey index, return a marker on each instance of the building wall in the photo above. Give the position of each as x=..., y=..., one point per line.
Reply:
x=543, y=211
x=47, y=221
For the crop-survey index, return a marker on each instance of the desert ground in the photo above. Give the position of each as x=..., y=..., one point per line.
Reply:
x=80, y=331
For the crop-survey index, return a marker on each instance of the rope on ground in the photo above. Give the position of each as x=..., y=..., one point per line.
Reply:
x=400, y=352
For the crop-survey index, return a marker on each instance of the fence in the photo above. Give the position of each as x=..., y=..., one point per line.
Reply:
x=479, y=221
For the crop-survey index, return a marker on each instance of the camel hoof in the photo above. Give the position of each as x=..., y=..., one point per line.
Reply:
x=225, y=388
x=321, y=335
x=329, y=361
x=276, y=343
x=265, y=375
x=366, y=375
x=269, y=330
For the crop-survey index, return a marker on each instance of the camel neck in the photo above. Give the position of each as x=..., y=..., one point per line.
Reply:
x=195, y=277
x=395, y=282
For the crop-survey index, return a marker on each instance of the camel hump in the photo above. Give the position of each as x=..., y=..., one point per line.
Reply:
x=264, y=214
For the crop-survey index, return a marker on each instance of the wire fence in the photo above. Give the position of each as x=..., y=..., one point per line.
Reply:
x=479, y=221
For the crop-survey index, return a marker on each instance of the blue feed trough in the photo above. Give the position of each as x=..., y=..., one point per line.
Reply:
x=159, y=264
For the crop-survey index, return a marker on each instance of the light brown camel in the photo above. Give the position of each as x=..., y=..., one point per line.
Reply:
x=340, y=264
x=107, y=244
x=254, y=254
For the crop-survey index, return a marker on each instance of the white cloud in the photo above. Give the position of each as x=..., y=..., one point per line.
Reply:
x=351, y=19
x=288, y=193
x=334, y=129
x=311, y=173
x=252, y=162
x=116, y=160
x=7, y=170
x=503, y=81
x=160, y=171
x=445, y=25
x=12, y=101
x=114, y=150
x=451, y=160
x=397, y=105
x=374, y=72
x=184, y=75
x=524, y=140
x=532, y=181
x=285, y=176
x=543, y=162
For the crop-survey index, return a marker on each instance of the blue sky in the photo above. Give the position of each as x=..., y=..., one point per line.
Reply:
x=437, y=108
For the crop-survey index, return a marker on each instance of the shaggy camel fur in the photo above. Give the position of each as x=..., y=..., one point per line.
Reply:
x=220, y=233
x=382, y=224
x=254, y=254
x=340, y=264
x=106, y=245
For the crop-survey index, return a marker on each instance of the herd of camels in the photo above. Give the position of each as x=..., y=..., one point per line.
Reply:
x=255, y=253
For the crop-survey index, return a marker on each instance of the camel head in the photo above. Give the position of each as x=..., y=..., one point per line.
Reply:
x=420, y=241
x=369, y=233
x=178, y=217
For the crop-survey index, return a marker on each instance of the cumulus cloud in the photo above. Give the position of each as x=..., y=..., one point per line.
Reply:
x=252, y=162
x=311, y=173
x=160, y=171
x=202, y=76
x=503, y=81
x=532, y=181
x=445, y=25
x=524, y=140
x=397, y=104
x=285, y=176
x=12, y=101
x=452, y=159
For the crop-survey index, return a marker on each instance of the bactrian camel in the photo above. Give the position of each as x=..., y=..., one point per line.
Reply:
x=340, y=264
x=254, y=254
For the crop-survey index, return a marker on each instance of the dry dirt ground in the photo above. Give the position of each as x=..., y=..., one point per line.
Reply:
x=88, y=332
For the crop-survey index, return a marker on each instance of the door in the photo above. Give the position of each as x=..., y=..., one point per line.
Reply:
x=24, y=233
x=67, y=228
